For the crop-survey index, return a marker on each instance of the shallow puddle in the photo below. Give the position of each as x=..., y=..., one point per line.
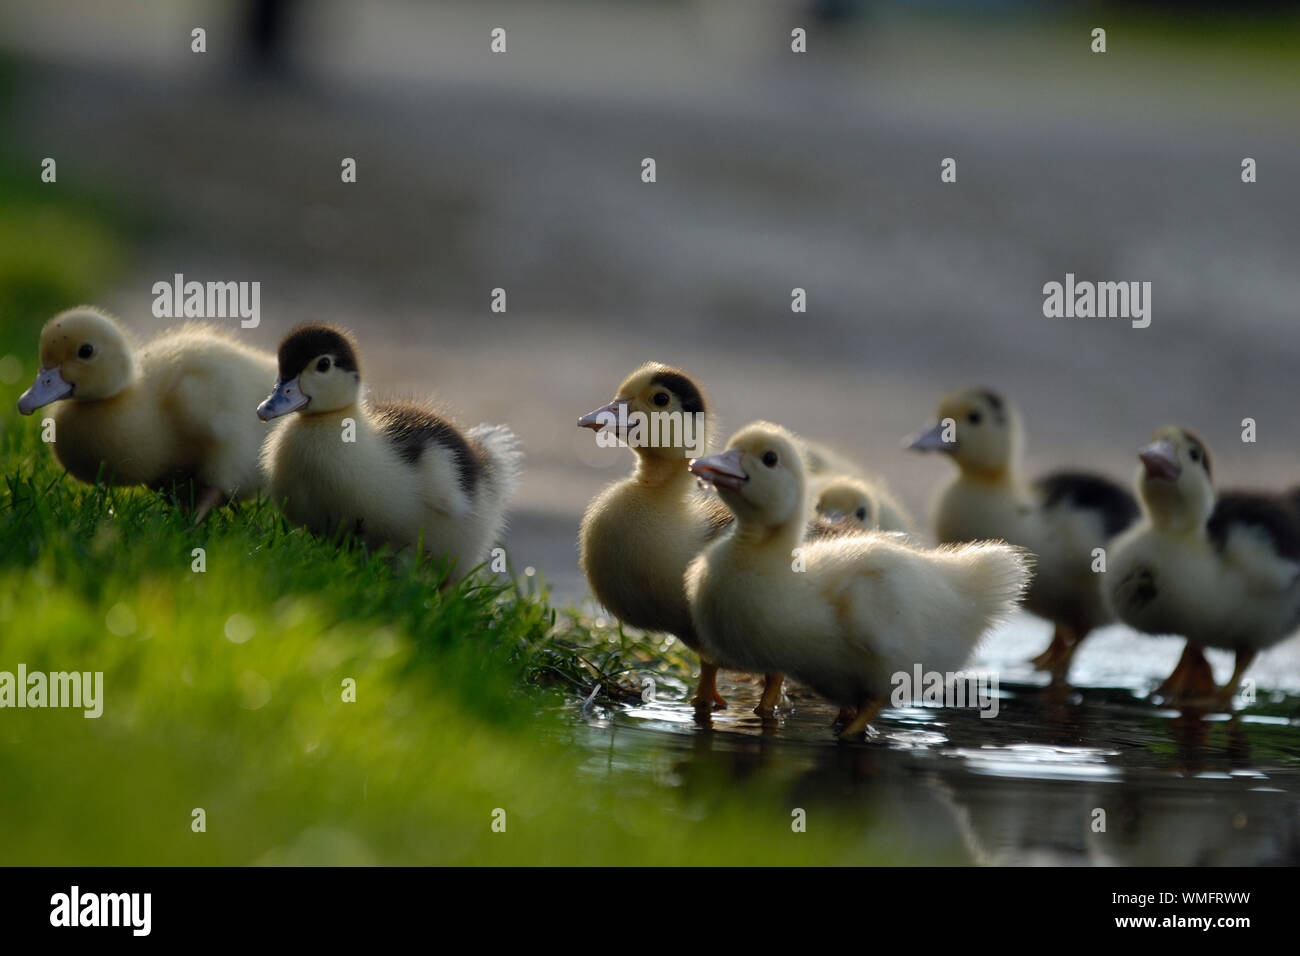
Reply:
x=1094, y=774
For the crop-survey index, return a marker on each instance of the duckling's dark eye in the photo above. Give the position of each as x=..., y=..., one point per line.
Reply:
x=660, y=399
x=769, y=459
x=323, y=365
x=1194, y=454
x=974, y=418
x=86, y=351
x=861, y=513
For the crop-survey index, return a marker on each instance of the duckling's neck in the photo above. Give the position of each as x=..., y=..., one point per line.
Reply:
x=778, y=539
x=663, y=474
x=993, y=476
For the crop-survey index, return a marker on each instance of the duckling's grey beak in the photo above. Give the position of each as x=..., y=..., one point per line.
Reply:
x=722, y=469
x=930, y=440
x=287, y=397
x=1160, y=458
x=48, y=387
x=607, y=416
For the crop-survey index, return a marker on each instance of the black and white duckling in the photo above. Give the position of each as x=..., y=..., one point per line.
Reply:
x=1061, y=518
x=848, y=612
x=1221, y=571
x=393, y=473
x=174, y=411
x=839, y=488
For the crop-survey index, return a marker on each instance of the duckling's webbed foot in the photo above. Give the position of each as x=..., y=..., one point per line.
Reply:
x=1056, y=658
x=845, y=716
x=771, y=698
x=706, y=692
x=1192, y=680
x=868, y=708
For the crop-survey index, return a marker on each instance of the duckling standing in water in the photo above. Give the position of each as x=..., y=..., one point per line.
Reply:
x=639, y=534
x=1061, y=518
x=392, y=473
x=854, y=610
x=1221, y=572
x=176, y=410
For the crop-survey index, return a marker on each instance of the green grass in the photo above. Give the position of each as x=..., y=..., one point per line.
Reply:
x=223, y=689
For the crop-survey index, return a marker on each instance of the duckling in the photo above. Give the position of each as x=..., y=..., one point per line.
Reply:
x=831, y=476
x=1223, y=572
x=393, y=473
x=639, y=534
x=178, y=409
x=852, y=611
x=859, y=505
x=1061, y=518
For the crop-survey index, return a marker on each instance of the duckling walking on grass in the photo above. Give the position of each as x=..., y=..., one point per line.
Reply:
x=1061, y=518
x=393, y=473
x=176, y=410
x=1221, y=572
x=847, y=613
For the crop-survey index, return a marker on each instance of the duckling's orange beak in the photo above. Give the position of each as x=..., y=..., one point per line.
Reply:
x=930, y=440
x=49, y=386
x=722, y=469
x=286, y=397
x=607, y=416
x=1160, y=458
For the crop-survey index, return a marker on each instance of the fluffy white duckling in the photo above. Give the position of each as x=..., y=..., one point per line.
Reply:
x=831, y=481
x=1223, y=572
x=851, y=611
x=393, y=473
x=1061, y=518
x=177, y=410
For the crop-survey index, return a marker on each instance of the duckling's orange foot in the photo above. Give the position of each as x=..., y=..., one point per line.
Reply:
x=868, y=708
x=1056, y=658
x=1191, y=681
x=714, y=701
x=845, y=716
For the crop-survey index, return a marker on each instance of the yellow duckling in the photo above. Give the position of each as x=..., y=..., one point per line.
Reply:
x=176, y=410
x=827, y=468
x=1223, y=572
x=847, y=613
x=391, y=473
x=861, y=505
x=640, y=533
x=1061, y=518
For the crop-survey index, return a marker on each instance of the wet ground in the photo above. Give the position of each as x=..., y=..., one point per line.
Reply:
x=523, y=172
x=1089, y=775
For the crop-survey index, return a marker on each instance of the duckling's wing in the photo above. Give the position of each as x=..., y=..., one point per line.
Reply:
x=423, y=439
x=1110, y=501
x=1259, y=537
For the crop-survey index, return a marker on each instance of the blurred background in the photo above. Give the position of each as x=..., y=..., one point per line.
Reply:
x=775, y=170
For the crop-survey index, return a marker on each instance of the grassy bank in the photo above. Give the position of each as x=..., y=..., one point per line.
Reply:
x=224, y=683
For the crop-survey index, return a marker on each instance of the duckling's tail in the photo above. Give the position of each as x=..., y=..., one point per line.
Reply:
x=505, y=458
x=996, y=577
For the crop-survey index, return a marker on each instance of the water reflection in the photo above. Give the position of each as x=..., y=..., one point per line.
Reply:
x=1077, y=776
